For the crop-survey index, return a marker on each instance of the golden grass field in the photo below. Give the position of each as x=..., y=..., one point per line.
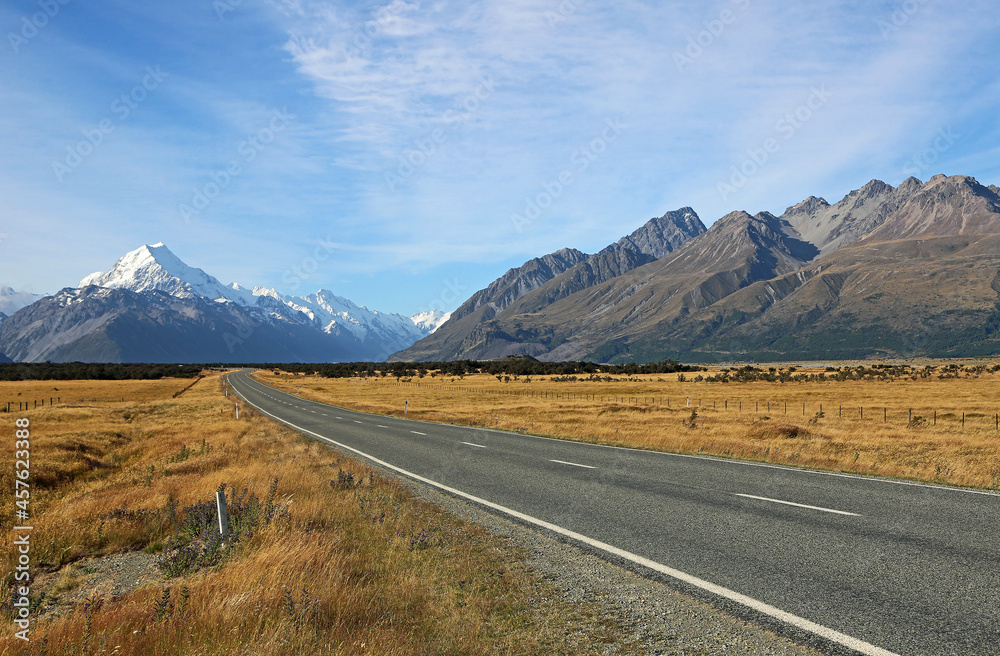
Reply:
x=895, y=434
x=350, y=564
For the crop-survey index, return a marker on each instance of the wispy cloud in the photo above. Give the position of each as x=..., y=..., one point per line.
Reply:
x=421, y=126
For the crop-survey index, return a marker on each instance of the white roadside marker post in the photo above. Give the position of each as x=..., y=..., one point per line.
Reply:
x=220, y=501
x=406, y=405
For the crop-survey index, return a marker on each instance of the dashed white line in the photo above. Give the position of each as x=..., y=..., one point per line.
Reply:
x=356, y=421
x=481, y=446
x=418, y=433
x=574, y=464
x=381, y=426
x=799, y=505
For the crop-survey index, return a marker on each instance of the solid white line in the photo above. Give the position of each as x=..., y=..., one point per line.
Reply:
x=799, y=505
x=418, y=433
x=563, y=462
x=759, y=606
x=481, y=446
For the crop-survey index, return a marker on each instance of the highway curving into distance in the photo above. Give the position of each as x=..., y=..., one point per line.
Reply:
x=846, y=563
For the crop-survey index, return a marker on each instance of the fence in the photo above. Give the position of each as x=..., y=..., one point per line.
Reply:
x=30, y=405
x=895, y=415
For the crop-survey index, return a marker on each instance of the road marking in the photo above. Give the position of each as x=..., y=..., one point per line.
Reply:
x=381, y=426
x=799, y=505
x=339, y=417
x=418, y=433
x=800, y=622
x=563, y=462
x=481, y=446
x=356, y=421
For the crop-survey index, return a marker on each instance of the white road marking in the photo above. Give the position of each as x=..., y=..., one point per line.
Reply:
x=381, y=426
x=799, y=505
x=800, y=622
x=481, y=446
x=356, y=421
x=574, y=464
x=418, y=433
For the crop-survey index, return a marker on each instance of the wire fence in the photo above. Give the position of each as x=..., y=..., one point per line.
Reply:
x=880, y=413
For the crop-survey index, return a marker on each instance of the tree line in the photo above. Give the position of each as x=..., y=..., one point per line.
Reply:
x=95, y=371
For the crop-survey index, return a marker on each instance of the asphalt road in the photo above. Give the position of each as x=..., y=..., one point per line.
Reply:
x=877, y=566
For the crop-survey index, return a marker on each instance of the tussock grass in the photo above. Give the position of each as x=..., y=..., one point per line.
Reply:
x=350, y=563
x=811, y=423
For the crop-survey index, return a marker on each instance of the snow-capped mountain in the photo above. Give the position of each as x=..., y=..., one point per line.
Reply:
x=11, y=301
x=151, y=306
x=149, y=268
x=430, y=320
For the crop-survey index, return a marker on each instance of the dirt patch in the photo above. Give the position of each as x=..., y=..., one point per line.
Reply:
x=108, y=576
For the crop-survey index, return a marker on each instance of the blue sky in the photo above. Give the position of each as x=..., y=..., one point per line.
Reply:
x=405, y=154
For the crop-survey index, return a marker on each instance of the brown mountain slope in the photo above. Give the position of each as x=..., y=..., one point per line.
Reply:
x=884, y=272
x=944, y=206
x=738, y=250
x=574, y=271
x=830, y=227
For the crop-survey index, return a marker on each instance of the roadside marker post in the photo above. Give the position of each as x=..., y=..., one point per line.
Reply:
x=220, y=502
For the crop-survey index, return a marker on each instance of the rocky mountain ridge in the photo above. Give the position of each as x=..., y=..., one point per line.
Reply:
x=873, y=275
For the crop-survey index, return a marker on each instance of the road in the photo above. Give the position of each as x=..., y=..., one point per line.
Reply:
x=848, y=563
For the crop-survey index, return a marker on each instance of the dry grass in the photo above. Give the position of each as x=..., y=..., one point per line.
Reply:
x=726, y=419
x=356, y=566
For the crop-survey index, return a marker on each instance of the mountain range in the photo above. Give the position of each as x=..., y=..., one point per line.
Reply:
x=903, y=271
x=152, y=307
x=884, y=272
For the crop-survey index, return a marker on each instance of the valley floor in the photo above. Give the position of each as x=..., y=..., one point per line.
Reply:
x=932, y=422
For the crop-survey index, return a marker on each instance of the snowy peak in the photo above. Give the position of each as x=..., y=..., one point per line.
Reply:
x=155, y=268
x=430, y=321
x=152, y=268
x=11, y=300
